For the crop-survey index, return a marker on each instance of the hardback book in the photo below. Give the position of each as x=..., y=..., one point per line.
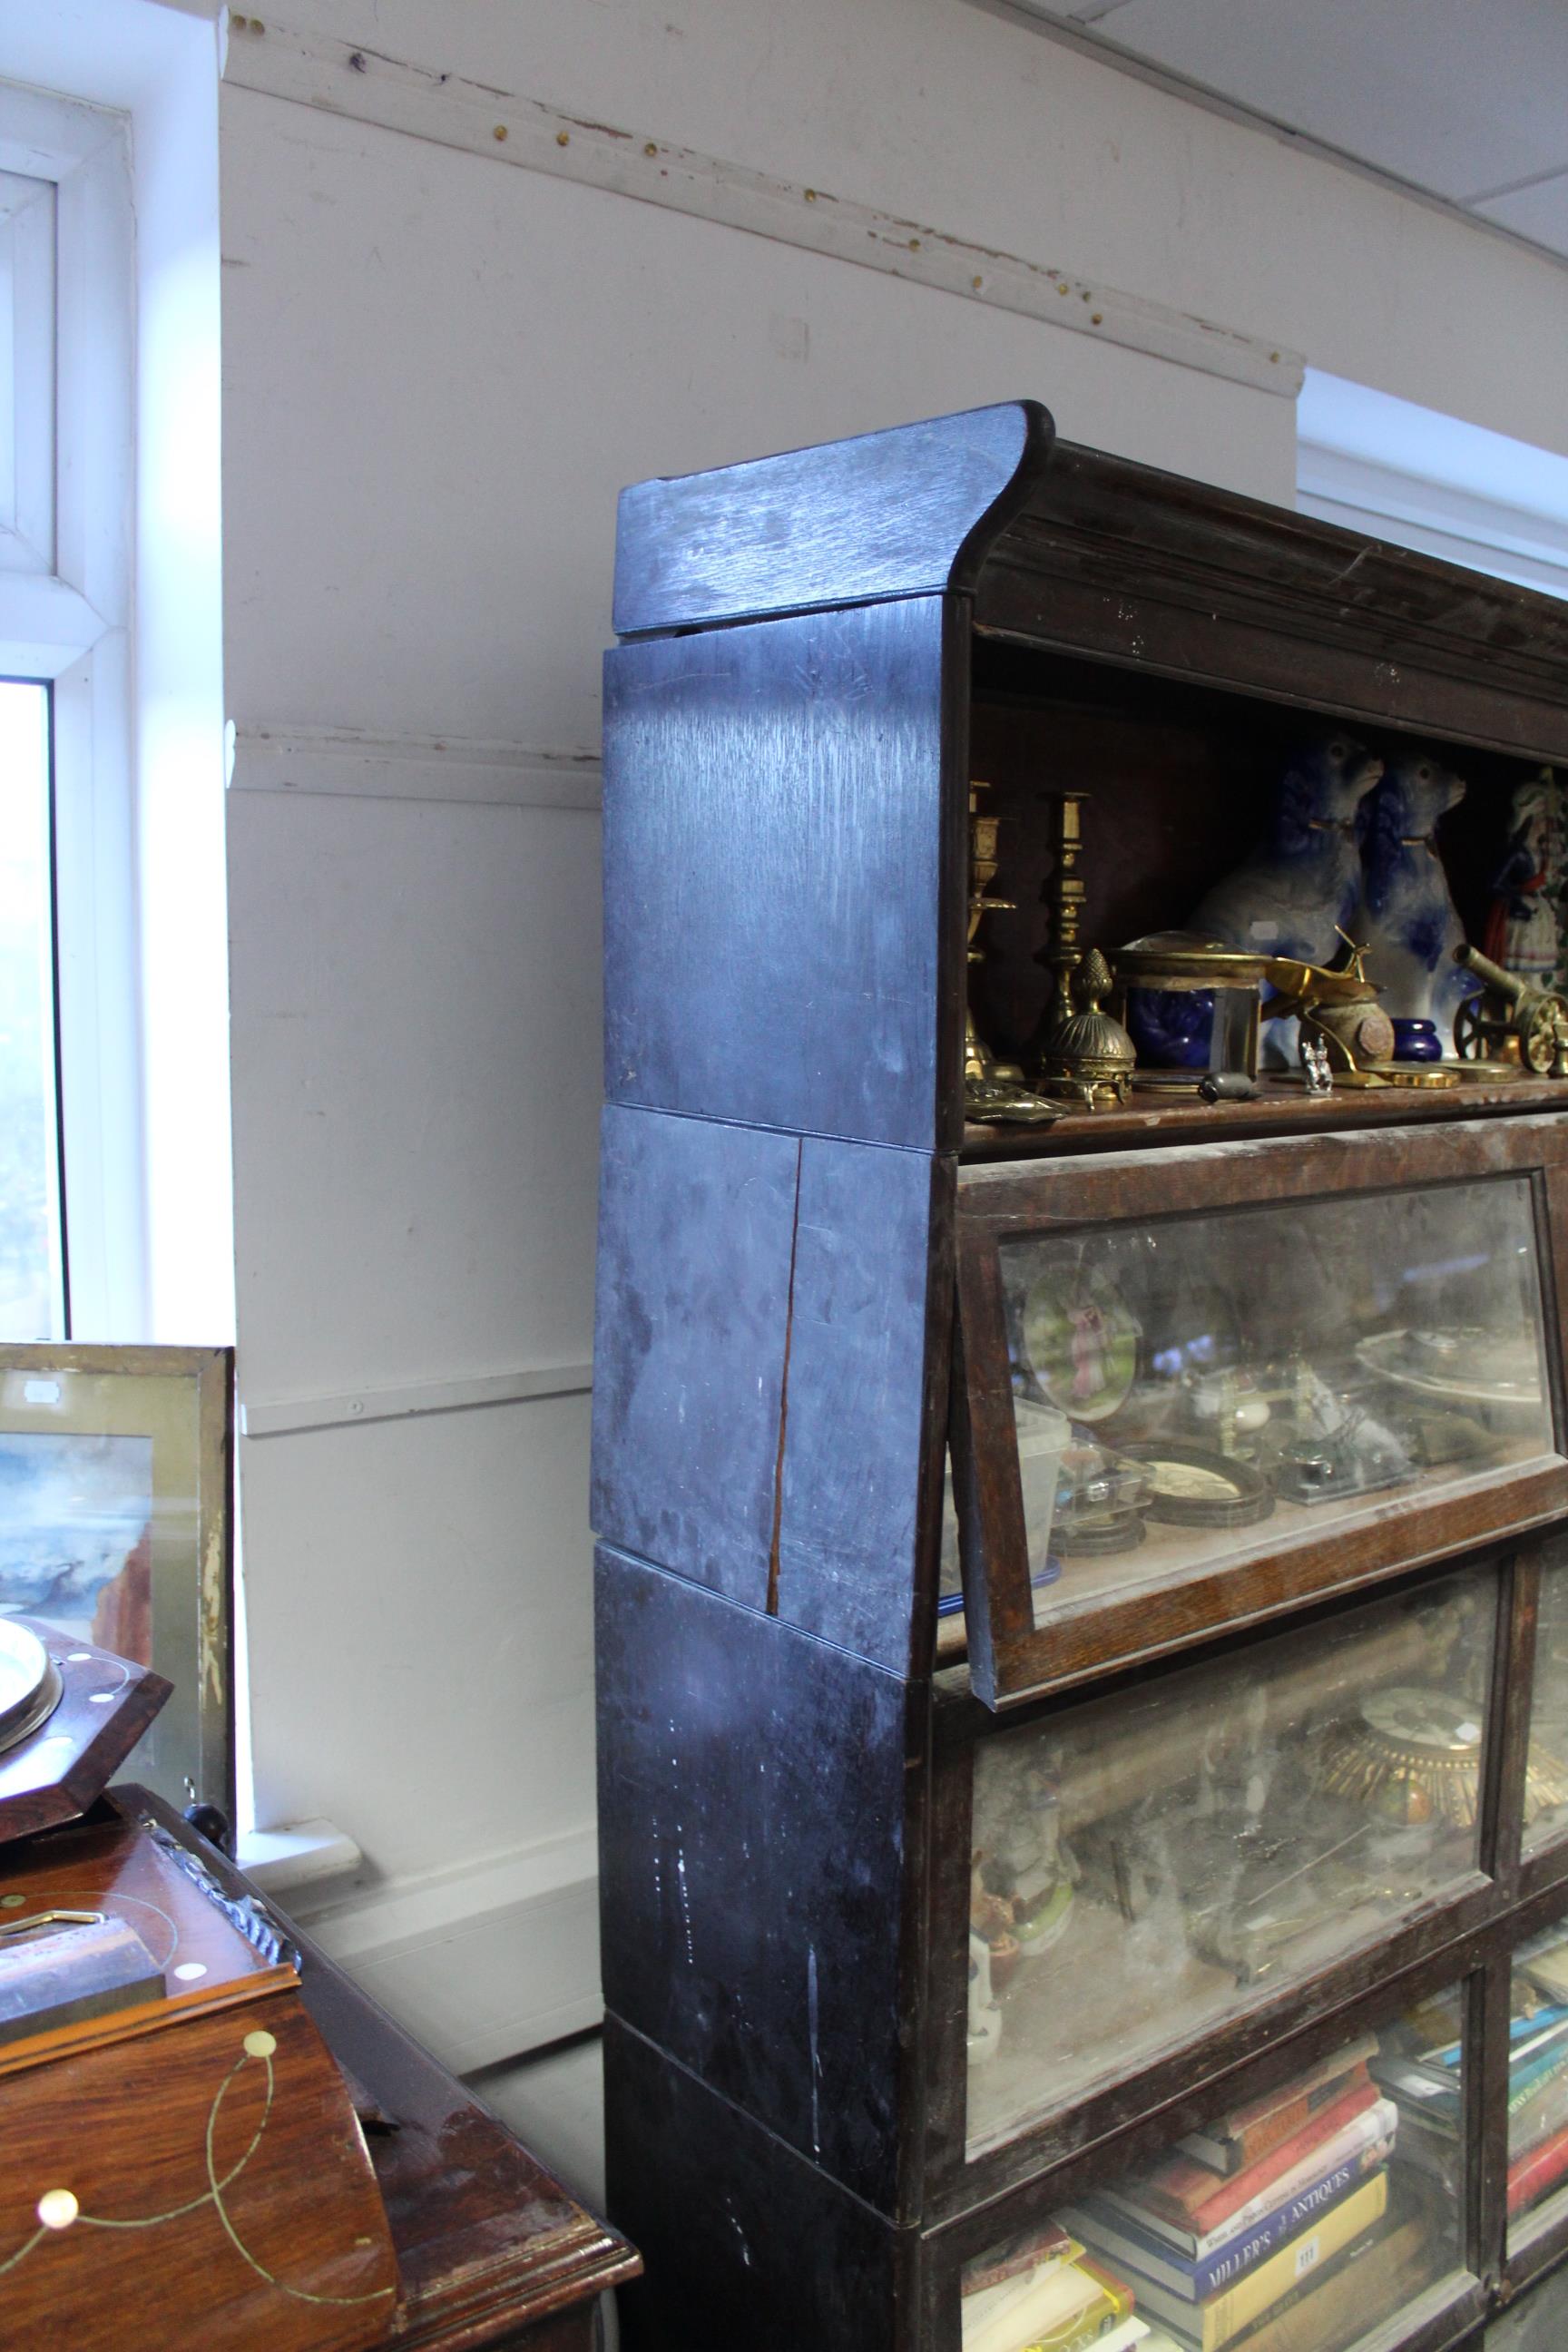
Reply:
x=1421, y=2089
x=1216, y=2321
x=1545, y=1963
x=1233, y=2141
x=1197, y=2211
x=1143, y=2256
x=1541, y=2169
x=1356, y=2293
x=1061, y=2304
x=1538, y=2115
x=1026, y=2252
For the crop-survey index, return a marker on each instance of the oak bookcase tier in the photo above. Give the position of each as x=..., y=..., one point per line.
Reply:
x=909, y=1951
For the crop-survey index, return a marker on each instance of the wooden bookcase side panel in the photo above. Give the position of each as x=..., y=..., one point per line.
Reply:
x=770, y=1371
x=784, y=872
x=762, y=1834
x=1011, y=1658
x=758, y=2247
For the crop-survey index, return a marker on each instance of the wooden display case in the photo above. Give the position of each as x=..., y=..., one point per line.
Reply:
x=1268, y=1798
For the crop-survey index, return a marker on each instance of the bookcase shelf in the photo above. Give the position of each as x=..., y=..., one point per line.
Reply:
x=922, y=1931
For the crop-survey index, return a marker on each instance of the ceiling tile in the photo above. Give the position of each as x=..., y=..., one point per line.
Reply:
x=1458, y=96
x=1541, y=212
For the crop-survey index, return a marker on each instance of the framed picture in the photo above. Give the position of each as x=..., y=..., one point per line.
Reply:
x=115, y=1467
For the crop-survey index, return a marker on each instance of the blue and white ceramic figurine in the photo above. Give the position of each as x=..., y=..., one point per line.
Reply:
x=1407, y=919
x=1298, y=892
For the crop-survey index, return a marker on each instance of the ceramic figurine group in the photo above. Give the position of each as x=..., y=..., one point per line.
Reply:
x=1334, y=952
x=1352, y=855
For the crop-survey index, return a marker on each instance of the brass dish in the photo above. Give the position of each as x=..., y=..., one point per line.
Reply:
x=1413, y=1756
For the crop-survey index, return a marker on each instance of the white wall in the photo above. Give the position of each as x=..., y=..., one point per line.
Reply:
x=437, y=372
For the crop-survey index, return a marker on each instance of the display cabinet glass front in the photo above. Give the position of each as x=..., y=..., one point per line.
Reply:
x=1209, y=1387
x=1145, y=1865
x=1545, y=1822
x=1538, y=2072
x=1294, y=2222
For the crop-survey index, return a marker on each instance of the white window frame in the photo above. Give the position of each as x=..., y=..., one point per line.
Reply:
x=66, y=616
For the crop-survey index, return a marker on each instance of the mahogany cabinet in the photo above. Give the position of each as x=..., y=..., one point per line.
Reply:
x=1271, y=1788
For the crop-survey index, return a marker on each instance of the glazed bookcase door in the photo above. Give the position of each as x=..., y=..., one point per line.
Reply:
x=1545, y=1825
x=1199, y=1386
x=1147, y=1866
x=1309, y=2205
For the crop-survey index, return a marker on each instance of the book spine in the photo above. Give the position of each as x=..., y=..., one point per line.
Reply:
x=1308, y=2251
x=1372, y=2140
x=1257, y=2191
x=1534, y=2174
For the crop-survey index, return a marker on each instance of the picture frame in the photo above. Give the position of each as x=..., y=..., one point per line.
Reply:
x=116, y=1468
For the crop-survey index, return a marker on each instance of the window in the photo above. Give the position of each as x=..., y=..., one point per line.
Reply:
x=1398, y=471
x=70, y=1163
x=32, y=1241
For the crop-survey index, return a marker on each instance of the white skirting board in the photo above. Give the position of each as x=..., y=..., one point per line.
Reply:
x=480, y=1964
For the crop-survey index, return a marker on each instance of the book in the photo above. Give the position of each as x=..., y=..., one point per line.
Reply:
x=1341, y=2133
x=1355, y=2294
x=1057, y=2306
x=1143, y=2256
x=1208, y=2326
x=1541, y=2169
x=1192, y=2196
x=1026, y=2252
x=1232, y=2141
x=1545, y=1961
x=1545, y=2110
x=1424, y=2090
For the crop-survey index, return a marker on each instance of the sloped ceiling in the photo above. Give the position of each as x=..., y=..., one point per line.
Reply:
x=1466, y=99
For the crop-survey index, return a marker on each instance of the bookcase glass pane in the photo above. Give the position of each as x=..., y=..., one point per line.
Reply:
x=1146, y=1865
x=1196, y=1391
x=1299, y=2221
x=1546, y=1784
x=1538, y=2072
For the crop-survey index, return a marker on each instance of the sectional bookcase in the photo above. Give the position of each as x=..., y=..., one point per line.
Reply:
x=941, y=1933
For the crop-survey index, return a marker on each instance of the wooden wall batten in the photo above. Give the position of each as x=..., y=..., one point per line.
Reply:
x=774, y=834
x=756, y=1863
x=885, y=514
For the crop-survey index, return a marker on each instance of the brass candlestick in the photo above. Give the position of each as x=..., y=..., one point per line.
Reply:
x=1087, y=1058
x=1068, y=894
x=993, y=1091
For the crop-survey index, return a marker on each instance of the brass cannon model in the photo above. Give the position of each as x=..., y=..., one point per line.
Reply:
x=1511, y=1020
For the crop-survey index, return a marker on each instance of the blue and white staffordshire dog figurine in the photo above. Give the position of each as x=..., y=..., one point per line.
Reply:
x=1407, y=919
x=1297, y=894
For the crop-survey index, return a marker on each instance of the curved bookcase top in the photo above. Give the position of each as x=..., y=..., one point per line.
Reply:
x=1068, y=548
x=887, y=514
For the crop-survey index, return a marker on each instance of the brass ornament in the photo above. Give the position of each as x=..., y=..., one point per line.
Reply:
x=1511, y=1020
x=1413, y=1757
x=994, y=1092
x=1088, y=1058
